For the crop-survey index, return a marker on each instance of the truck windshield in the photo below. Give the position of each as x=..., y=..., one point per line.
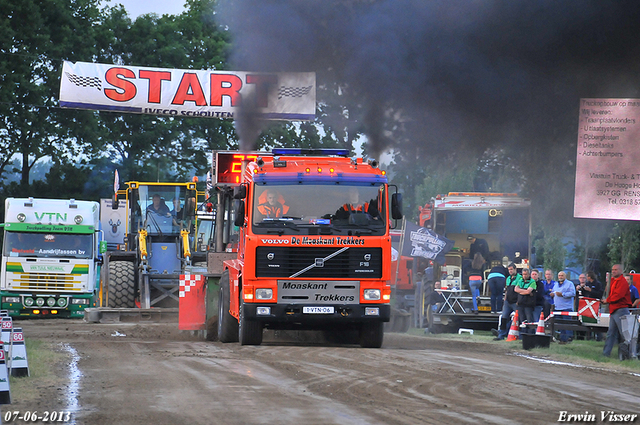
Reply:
x=47, y=245
x=317, y=208
x=162, y=209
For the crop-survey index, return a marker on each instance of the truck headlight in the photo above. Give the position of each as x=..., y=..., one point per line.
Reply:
x=28, y=301
x=80, y=301
x=62, y=302
x=10, y=299
x=371, y=294
x=51, y=301
x=264, y=294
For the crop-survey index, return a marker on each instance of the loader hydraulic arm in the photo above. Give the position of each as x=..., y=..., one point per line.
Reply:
x=185, y=244
x=142, y=243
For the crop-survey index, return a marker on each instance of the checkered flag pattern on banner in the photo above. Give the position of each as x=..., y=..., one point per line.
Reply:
x=293, y=91
x=84, y=81
x=187, y=282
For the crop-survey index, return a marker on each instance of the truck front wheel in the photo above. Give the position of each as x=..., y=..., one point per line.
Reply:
x=122, y=280
x=250, y=331
x=227, y=324
x=371, y=335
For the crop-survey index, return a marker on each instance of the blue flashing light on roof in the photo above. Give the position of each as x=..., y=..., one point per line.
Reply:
x=339, y=178
x=301, y=151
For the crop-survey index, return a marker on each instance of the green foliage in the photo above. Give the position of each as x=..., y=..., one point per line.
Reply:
x=624, y=244
x=37, y=34
x=551, y=252
x=441, y=178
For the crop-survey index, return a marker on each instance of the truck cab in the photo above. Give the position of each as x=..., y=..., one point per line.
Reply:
x=314, y=250
x=51, y=257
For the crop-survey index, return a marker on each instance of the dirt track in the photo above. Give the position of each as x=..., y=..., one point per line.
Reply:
x=153, y=374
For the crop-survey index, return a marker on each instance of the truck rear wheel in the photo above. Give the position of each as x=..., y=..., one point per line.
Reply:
x=227, y=324
x=250, y=331
x=122, y=280
x=371, y=335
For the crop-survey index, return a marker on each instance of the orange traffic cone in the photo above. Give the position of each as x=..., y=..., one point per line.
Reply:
x=514, y=333
x=540, y=328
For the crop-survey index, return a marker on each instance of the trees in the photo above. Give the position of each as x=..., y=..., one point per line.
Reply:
x=37, y=35
x=624, y=244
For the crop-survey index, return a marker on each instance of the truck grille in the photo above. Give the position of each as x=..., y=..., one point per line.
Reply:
x=284, y=262
x=44, y=282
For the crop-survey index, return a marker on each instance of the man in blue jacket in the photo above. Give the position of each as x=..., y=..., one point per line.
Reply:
x=563, y=293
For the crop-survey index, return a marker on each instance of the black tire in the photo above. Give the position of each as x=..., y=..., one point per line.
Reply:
x=406, y=324
x=371, y=335
x=249, y=331
x=227, y=324
x=122, y=280
x=390, y=325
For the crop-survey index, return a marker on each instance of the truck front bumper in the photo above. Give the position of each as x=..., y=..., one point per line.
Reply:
x=293, y=314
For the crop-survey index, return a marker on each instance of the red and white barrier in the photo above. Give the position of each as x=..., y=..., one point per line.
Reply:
x=18, y=363
x=5, y=390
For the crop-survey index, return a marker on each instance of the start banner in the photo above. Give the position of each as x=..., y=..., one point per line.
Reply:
x=187, y=93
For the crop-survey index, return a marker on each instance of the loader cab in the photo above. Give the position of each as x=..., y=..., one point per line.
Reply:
x=162, y=210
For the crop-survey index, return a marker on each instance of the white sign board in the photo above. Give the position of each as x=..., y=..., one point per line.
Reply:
x=187, y=92
x=608, y=159
x=114, y=222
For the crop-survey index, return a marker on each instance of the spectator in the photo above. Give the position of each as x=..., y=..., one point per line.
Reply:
x=547, y=287
x=597, y=291
x=496, y=279
x=510, y=301
x=619, y=300
x=526, y=290
x=563, y=293
x=635, y=297
x=479, y=246
x=593, y=288
x=474, y=287
x=535, y=275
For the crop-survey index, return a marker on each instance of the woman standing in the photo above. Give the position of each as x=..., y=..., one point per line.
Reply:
x=496, y=279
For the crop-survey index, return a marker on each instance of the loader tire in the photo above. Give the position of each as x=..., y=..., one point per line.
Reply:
x=122, y=280
x=371, y=335
x=249, y=331
x=227, y=324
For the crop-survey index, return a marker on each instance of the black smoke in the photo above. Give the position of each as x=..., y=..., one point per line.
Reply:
x=455, y=75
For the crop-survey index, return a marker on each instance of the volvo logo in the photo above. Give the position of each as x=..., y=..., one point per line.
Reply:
x=367, y=257
x=271, y=256
x=319, y=262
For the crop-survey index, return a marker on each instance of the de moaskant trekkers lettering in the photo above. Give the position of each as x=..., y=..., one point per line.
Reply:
x=314, y=241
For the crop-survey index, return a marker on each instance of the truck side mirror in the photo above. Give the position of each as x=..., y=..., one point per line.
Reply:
x=239, y=221
x=240, y=192
x=396, y=206
x=103, y=247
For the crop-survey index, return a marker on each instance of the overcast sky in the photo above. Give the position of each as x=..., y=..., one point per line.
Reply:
x=136, y=8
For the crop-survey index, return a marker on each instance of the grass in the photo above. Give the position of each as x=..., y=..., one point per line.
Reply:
x=582, y=352
x=43, y=359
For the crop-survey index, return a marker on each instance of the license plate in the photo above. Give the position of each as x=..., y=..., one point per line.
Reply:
x=317, y=310
x=484, y=308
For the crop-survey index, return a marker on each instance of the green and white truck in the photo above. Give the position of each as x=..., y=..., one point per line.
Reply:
x=51, y=257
